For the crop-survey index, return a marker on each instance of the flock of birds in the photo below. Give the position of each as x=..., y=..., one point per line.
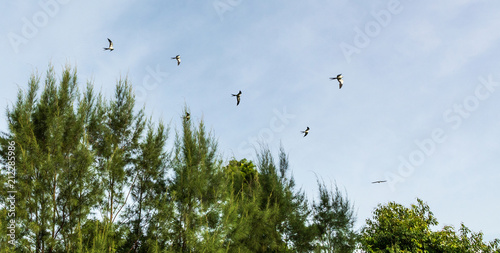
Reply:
x=339, y=78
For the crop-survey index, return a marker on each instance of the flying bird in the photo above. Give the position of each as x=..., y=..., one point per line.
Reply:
x=305, y=132
x=178, y=58
x=238, y=97
x=110, y=48
x=379, y=181
x=188, y=116
x=339, y=78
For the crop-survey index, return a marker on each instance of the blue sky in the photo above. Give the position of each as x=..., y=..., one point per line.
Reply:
x=419, y=106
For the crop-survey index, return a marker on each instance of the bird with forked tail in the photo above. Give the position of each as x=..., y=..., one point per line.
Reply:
x=110, y=47
x=339, y=79
x=305, y=132
x=238, y=97
x=178, y=58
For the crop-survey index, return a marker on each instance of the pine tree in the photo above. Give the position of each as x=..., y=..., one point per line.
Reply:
x=334, y=219
x=286, y=210
x=114, y=131
x=195, y=188
x=56, y=185
x=147, y=186
x=242, y=211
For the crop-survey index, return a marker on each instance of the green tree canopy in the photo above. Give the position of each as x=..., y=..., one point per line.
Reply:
x=396, y=228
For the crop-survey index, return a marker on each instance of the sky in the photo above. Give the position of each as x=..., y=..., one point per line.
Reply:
x=419, y=106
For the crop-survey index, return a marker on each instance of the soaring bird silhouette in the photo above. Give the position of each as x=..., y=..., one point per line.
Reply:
x=238, y=97
x=178, y=58
x=110, y=48
x=379, y=181
x=305, y=132
x=339, y=78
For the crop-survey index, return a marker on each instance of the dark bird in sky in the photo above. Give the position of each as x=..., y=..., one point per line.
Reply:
x=305, y=132
x=188, y=116
x=110, y=48
x=178, y=58
x=238, y=97
x=339, y=78
x=379, y=181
